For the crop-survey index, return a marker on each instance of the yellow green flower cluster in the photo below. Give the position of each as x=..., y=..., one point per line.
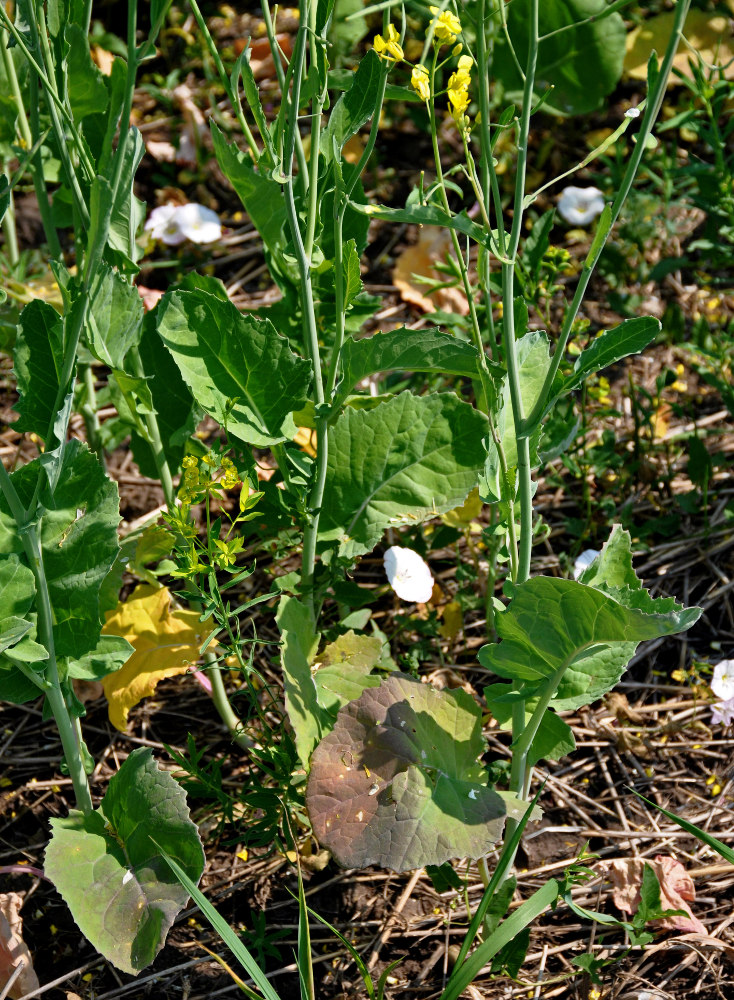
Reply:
x=420, y=82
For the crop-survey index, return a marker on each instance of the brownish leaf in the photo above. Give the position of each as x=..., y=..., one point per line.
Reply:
x=432, y=246
x=676, y=889
x=13, y=950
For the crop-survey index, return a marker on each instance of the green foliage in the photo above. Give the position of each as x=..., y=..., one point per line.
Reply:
x=582, y=62
x=238, y=368
x=79, y=542
x=38, y=361
x=404, y=461
x=109, y=868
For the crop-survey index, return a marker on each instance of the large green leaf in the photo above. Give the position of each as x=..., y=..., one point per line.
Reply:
x=238, y=368
x=397, y=783
x=581, y=63
x=108, y=867
x=172, y=401
x=299, y=643
x=114, y=318
x=406, y=460
x=79, y=542
x=110, y=653
x=571, y=635
x=39, y=358
x=356, y=106
x=630, y=337
x=404, y=350
x=533, y=358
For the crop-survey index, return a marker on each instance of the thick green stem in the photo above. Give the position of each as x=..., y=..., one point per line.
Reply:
x=228, y=715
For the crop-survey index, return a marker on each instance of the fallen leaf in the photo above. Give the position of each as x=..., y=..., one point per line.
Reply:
x=621, y=709
x=13, y=949
x=166, y=641
x=676, y=889
x=432, y=246
x=87, y=690
x=452, y=620
x=150, y=296
x=707, y=34
x=261, y=58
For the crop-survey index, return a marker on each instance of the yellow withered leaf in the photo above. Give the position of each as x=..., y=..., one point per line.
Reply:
x=453, y=620
x=706, y=34
x=166, y=641
x=462, y=516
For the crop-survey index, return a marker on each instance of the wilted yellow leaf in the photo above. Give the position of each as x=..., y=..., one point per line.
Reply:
x=462, y=516
x=707, y=34
x=306, y=440
x=166, y=641
x=13, y=949
x=453, y=621
x=432, y=246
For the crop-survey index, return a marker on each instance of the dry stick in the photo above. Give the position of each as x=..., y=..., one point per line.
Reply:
x=399, y=907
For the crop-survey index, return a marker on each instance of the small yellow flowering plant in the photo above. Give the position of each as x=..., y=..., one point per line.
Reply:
x=446, y=26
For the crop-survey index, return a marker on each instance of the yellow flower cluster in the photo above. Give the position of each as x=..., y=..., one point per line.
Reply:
x=446, y=26
x=389, y=48
x=420, y=82
x=458, y=90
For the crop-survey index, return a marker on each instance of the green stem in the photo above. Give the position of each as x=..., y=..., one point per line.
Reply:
x=10, y=233
x=228, y=715
x=317, y=108
x=89, y=414
x=225, y=81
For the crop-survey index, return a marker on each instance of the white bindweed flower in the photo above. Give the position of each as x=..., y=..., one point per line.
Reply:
x=173, y=224
x=198, y=223
x=408, y=574
x=580, y=205
x=723, y=713
x=722, y=683
x=583, y=562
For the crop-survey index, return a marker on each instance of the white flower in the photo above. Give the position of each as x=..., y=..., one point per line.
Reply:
x=172, y=224
x=408, y=574
x=722, y=683
x=723, y=713
x=580, y=205
x=583, y=562
x=163, y=225
x=199, y=224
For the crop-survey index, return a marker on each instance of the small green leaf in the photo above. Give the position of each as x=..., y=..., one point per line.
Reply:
x=344, y=670
x=87, y=91
x=114, y=318
x=110, y=653
x=108, y=865
x=630, y=337
x=402, y=462
x=404, y=350
x=352, y=275
x=533, y=360
x=238, y=368
x=355, y=107
x=397, y=783
x=39, y=358
x=299, y=644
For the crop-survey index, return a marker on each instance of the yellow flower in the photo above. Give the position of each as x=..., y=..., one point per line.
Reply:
x=458, y=90
x=465, y=64
x=419, y=82
x=446, y=26
x=389, y=48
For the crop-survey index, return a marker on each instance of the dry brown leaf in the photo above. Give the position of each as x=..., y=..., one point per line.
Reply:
x=676, y=889
x=620, y=708
x=707, y=34
x=13, y=949
x=432, y=246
